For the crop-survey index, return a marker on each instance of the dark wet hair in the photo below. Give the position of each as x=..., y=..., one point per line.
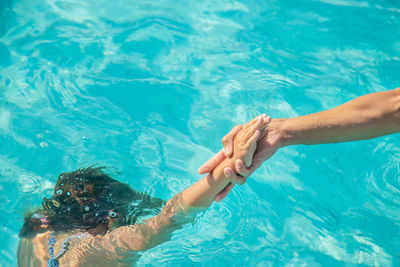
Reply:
x=91, y=200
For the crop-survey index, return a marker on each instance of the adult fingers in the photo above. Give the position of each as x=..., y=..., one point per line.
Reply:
x=233, y=177
x=254, y=120
x=227, y=140
x=212, y=163
x=221, y=195
x=241, y=168
x=254, y=165
x=266, y=121
x=259, y=126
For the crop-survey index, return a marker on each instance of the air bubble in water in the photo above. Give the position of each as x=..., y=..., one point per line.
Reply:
x=44, y=144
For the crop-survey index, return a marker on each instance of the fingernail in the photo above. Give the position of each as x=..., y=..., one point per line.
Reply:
x=239, y=164
x=228, y=172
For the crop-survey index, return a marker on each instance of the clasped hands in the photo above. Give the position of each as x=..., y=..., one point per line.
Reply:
x=268, y=142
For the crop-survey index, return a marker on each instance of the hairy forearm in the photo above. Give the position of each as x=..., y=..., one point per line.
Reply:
x=365, y=117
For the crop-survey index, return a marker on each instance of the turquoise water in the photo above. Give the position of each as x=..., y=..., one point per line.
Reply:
x=148, y=88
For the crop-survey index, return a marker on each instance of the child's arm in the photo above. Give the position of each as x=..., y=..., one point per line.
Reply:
x=182, y=207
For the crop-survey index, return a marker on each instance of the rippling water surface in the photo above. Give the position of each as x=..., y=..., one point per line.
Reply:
x=150, y=87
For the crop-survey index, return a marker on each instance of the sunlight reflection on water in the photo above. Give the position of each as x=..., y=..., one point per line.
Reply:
x=149, y=88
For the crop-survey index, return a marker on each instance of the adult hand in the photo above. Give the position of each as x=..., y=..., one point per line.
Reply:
x=268, y=144
x=233, y=178
x=227, y=151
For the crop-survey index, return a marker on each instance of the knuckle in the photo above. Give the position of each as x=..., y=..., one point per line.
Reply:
x=237, y=128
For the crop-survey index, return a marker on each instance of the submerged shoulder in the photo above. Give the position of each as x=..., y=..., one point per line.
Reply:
x=32, y=251
x=126, y=237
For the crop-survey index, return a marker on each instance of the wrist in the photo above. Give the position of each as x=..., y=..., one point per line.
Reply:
x=284, y=131
x=218, y=172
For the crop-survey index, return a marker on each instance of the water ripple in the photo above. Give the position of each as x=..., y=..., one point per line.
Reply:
x=151, y=87
x=29, y=184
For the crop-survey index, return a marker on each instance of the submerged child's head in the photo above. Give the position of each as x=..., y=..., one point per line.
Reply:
x=89, y=199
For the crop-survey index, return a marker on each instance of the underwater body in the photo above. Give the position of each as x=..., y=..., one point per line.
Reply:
x=149, y=89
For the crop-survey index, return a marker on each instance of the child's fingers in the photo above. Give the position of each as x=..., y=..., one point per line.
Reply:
x=251, y=130
x=253, y=121
x=254, y=138
x=265, y=122
x=227, y=140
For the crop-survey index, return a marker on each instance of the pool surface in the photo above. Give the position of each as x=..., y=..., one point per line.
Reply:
x=149, y=88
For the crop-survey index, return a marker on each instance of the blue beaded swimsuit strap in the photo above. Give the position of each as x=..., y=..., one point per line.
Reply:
x=53, y=261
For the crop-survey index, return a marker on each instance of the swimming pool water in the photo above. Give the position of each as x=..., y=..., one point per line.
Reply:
x=148, y=88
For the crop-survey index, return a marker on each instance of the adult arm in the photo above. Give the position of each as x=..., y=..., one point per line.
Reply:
x=365, y=117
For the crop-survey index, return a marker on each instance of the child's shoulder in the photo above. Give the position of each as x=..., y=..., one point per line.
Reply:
x=126, y=237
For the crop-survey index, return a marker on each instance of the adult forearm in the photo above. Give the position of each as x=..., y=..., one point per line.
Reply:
x=365, y=117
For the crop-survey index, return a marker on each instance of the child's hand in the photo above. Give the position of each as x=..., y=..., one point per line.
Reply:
x=245, y=142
